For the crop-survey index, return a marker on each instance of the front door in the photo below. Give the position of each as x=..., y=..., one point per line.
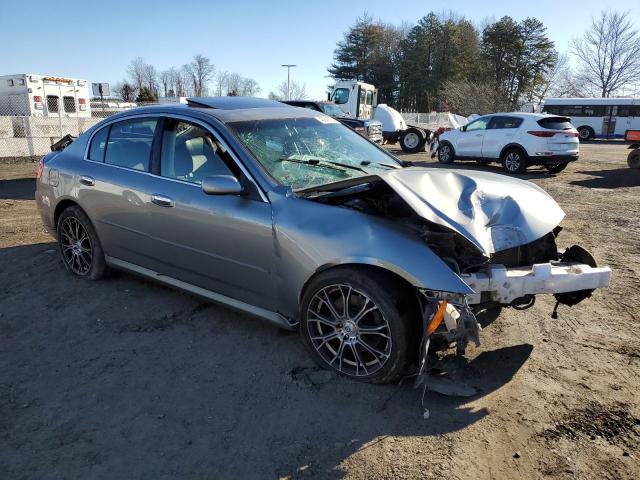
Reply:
x=471, y=137
x=223, y=243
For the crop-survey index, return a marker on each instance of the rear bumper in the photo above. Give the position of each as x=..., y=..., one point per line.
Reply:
x=552, y=159
x=504, y=285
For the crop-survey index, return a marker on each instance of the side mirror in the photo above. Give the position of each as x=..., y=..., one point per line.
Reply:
x=463, y=128
x=221, y=185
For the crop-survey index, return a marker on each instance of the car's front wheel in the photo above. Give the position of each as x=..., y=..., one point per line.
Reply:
x=445, y=153
x=79, y=246
x=360, y=324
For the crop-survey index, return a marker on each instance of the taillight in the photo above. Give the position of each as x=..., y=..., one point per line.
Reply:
x=538, y=133
x=37, y=102
x=82, y=101
x=40, y=168
x=37, y=99
x=551, y=133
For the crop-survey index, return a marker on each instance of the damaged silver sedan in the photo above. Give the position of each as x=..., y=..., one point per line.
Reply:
x=286, y=214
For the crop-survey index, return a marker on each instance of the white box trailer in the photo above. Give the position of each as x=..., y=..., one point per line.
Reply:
x=29, y=95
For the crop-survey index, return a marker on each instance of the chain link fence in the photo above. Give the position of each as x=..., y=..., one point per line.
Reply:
x=32, y=135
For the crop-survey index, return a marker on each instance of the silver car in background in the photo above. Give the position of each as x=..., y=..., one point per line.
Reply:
x=286, y=214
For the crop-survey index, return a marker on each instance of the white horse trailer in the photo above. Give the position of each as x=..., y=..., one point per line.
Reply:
x=28, y=95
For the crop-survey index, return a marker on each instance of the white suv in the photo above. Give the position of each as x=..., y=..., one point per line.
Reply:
x=517, y=140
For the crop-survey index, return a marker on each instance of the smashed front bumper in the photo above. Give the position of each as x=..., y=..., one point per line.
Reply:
x=506, y=285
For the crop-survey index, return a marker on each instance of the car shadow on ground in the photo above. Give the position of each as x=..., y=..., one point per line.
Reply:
x=532, y=172
x=124, y=378
x=615, y=178
x=18, y=189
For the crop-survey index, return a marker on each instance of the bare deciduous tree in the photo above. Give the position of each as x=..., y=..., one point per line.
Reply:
x=200, y=71
x=136, y=72
x=221, y=83
x=609, y=53
x=125, y=91
x=466, y=97
x=297, y=91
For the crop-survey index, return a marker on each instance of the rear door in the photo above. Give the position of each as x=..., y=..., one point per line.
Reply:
x=113, y=187
x=469, y=142
x=501, y=131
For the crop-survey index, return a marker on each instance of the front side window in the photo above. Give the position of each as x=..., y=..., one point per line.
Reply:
x=52, y=103
x=98, y=145
x=69, y=104
x=130, y=143
x=307, y=152
x=479, y=124
x=190, y=153
x=369, y=97
x=341, y=96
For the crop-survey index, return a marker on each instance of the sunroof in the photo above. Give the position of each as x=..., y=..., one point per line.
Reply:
x=233, y=103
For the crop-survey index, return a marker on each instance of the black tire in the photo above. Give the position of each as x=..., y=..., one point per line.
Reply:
x=633, y=160
x=556, y=168
x=412, y=140
x=585, y=133
x=446, y=153
x=395, y=315
x=79, y=246
x=514, y=161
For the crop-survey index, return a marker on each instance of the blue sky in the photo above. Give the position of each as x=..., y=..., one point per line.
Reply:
x=252, y=38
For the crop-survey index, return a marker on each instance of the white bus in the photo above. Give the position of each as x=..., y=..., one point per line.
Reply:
x=597, y=117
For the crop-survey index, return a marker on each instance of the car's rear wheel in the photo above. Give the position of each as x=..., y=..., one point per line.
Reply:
x=514, y=161
x=556, y=168
x=361, y=325
x=585, y=133
x=79, y=246
x=446, y=154
x=412, y=140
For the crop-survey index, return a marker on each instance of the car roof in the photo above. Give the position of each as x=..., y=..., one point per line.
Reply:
x=535, y=116
x=227, y=109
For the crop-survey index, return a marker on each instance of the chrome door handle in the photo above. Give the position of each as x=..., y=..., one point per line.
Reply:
x=87, y=180
x=162, y=200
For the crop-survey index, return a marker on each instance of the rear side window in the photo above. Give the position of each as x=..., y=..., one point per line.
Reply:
x=555, y=123
x=98, y=145
x=505, y=122
x=129, y=143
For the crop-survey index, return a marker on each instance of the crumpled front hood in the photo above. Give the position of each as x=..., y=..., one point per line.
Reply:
x=492, y=211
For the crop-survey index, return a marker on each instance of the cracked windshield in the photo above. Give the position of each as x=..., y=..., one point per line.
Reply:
x=307, y=152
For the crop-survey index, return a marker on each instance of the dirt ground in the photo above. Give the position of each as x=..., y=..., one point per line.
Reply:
x=123, y=378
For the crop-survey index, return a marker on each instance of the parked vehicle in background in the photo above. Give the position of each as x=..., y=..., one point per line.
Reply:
x=371, y=129
x=286, y=214
x=29, y=95
x=360, y=100
x=633, y=137
x=516, y=139
x=597, y=117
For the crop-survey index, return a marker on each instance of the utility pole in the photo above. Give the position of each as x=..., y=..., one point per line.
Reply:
x=288, y=79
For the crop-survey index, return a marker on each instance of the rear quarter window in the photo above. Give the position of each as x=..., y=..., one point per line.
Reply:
x=556, y=123
x=98, y=145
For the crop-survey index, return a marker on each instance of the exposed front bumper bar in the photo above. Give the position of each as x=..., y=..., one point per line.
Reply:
x=503, y=285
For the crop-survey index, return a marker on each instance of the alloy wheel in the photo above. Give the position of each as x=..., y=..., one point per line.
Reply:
x=512, y=162
x=75, y=242
x=348, y=330
x=445, y=152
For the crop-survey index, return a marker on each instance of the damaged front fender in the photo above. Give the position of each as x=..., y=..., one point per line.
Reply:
x=311, y=236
